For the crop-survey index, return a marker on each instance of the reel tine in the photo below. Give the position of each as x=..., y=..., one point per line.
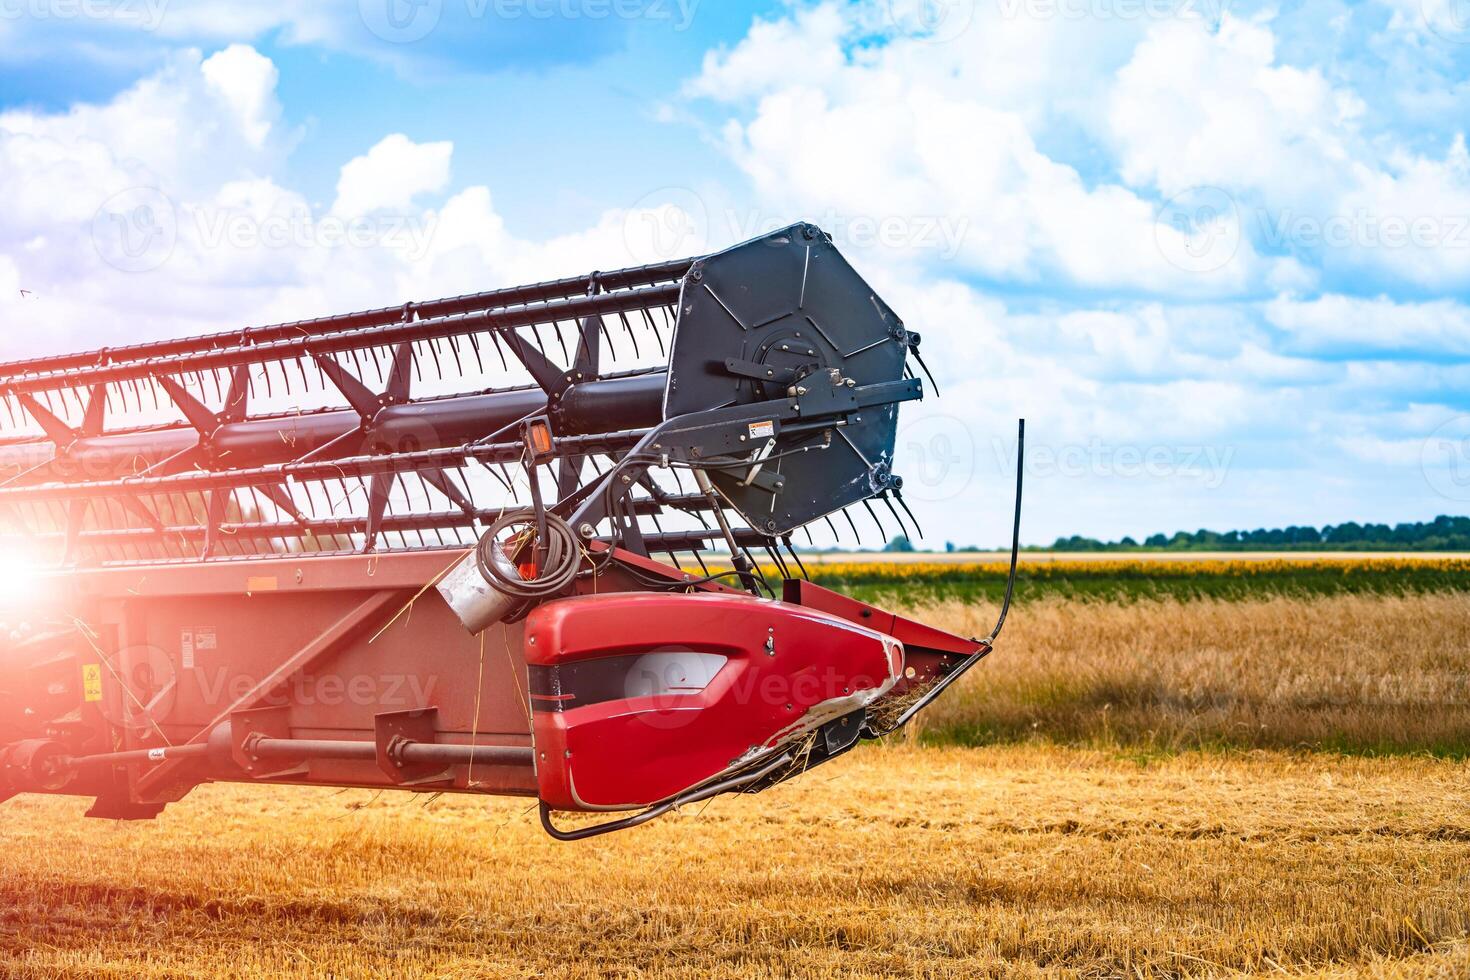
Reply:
x=898, y=495
x=566, y=358
x=882, y=531
x=495, y=338
x=475, y=346
x=791, y=548
x=454, y=349
x=903, y=527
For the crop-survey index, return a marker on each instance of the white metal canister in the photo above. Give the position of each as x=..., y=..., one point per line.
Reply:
x=478, y=604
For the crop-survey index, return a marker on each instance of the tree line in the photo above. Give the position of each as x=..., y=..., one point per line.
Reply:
x=1444, y=533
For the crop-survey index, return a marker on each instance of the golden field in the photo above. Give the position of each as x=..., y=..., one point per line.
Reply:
x=1144, y=788
x=1360, y=673
x=1029, y=861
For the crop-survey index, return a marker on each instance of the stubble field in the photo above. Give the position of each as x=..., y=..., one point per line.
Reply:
x=1145, y=786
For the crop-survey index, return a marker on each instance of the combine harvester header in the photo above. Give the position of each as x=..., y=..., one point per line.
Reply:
x=320, y=553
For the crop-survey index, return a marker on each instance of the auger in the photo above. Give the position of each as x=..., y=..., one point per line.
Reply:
x=365, y=567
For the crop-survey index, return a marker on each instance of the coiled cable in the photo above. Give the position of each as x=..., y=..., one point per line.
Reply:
x=555, y=572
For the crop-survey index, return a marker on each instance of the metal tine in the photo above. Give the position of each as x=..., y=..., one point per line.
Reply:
x=607, y=337
x=889, y=504
x=795, y=557
x=898, y=495
x=374, y=354
x=699, y=557
x=914, y=350
x=454, y=349
x=883, y=531
x=584, y=349
x=475, y=346
x=10, y=411
x=536, y=334
x=434, y=352
x=755, y=567
x=850, y=523
x=490, y=468
x=629, y=328
x=780, y=565
x=657, y=335
x=566, y=358
x=301, y=368
x=500, y=350
x=653, y=326
x=831, y=527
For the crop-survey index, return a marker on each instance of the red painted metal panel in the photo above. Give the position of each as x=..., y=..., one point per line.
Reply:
x=604, y=742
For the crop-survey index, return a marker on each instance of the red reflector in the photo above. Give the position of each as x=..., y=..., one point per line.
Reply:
x=538, y=437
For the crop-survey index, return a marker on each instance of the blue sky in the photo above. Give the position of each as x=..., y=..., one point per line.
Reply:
x=1217, y=253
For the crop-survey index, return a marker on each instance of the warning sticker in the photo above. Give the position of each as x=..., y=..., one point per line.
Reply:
x=762, y=430
x=157, y=755
x=193, y=641
x=91, y=682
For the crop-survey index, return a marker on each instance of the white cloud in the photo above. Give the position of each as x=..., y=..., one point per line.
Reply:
x=1337, y=325
x=246, y=81
x=902, y=131
x=1195, y=108
x=391, y=175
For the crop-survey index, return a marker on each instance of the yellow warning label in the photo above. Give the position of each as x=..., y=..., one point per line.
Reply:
x=91, y=682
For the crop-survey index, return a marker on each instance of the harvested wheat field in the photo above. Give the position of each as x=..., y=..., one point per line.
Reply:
x=1356, y=673
x=1014, y=861
x=1147, y=788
